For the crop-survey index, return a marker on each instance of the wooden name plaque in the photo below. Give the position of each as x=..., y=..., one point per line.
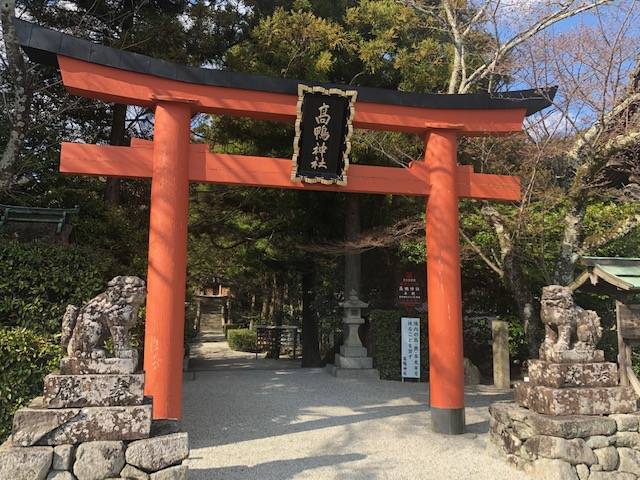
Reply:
x=629, y=317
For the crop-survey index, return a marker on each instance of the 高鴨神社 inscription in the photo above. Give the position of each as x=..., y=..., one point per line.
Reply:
x=323, y=132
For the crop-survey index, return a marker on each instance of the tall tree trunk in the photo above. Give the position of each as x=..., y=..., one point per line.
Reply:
x=571, y=241
x=117, y=137
x=277, y=314
x=516, y=280
x=352, y=261
x=264, y=310
x=21, y=82
x=252, y=307
x=310, y=335
x=528, y=308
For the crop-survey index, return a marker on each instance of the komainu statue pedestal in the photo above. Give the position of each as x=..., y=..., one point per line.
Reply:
x=93, y=421
x=571, y=419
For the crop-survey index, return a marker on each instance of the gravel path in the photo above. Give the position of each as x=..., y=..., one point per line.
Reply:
x=258, y=423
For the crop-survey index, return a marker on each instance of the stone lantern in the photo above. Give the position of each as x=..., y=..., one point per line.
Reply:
x=353, y=355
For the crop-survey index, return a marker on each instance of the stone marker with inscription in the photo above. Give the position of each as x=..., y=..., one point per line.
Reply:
x=93, y=421
x=572, y=420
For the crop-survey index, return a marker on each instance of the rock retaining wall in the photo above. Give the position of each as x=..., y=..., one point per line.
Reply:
x=577, y=447
x=155, y=458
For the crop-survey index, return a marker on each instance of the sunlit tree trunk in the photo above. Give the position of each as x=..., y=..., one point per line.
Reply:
x=19, y=107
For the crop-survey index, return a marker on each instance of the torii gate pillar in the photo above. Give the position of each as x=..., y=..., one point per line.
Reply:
x=446, y=367
x=166, y=277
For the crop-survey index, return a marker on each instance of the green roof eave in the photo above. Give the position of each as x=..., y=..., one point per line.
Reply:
x=623, y=274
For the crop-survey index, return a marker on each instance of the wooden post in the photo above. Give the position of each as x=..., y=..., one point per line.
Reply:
x=446, y=362
x=166, y=278
x=501, y=368
x=622, y=347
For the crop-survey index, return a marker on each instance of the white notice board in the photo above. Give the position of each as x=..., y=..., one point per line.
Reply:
x=410, y=347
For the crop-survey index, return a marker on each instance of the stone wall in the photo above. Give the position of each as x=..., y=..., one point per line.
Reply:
x=159, y=457
x=578, y=447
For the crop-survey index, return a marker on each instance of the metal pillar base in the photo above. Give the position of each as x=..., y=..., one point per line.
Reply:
x=449, y=421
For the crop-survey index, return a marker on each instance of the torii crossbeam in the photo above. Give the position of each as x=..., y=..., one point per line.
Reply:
x=175, y=92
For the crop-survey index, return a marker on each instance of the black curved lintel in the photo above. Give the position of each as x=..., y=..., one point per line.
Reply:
x=43, y=45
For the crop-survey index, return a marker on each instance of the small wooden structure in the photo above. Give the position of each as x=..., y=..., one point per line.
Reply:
x=57, y=217
x=270, y=337
x=618, y=278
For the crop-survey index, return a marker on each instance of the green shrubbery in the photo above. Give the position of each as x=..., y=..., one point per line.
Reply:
x=386, y=332
x=39, y=279
x=232, y=326
x=25, y=358
x=242, y=339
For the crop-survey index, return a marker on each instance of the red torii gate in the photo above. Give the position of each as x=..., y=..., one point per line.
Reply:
x=175, y=92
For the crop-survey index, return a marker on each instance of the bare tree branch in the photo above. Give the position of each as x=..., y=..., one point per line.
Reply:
x=486, y=259
x=489, y=67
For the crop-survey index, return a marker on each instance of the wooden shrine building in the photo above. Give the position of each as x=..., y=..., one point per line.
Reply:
x=618, y=278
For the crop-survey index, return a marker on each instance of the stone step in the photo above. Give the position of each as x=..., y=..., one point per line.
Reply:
x=66, y=391
x=37, y=426
x=526, y=423
x=576, y=401
x=557, y=375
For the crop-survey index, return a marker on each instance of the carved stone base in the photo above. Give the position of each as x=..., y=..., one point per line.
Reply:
x=572, y=356
x=576, y=401
x=36, y=426
x=89, y=366
x=560, y=375
x=66, y=391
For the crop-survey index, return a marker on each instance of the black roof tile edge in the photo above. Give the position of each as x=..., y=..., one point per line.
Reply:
x=42, y=45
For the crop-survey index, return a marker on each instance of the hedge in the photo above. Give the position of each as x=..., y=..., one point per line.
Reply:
x=40, y=279
x=386, y=341
x=242, y=340
x=25, y=358
x=232, y=326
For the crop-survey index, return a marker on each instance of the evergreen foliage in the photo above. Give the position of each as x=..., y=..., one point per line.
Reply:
x=242, y=339
x=25, y=358
x=386, y=329
x=40, y=279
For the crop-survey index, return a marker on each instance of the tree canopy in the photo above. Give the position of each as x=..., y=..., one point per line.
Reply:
x=271, y=246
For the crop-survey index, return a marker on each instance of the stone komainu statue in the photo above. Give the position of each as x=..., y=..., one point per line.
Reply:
x=568, y=327
x=113, y=312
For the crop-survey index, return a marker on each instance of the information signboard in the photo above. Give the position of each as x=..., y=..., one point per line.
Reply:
x=410, y=291
x=410, y=347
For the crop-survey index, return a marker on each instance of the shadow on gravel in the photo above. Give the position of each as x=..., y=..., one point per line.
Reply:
x=259, y=405
x=283, y=426
x=281, y=469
